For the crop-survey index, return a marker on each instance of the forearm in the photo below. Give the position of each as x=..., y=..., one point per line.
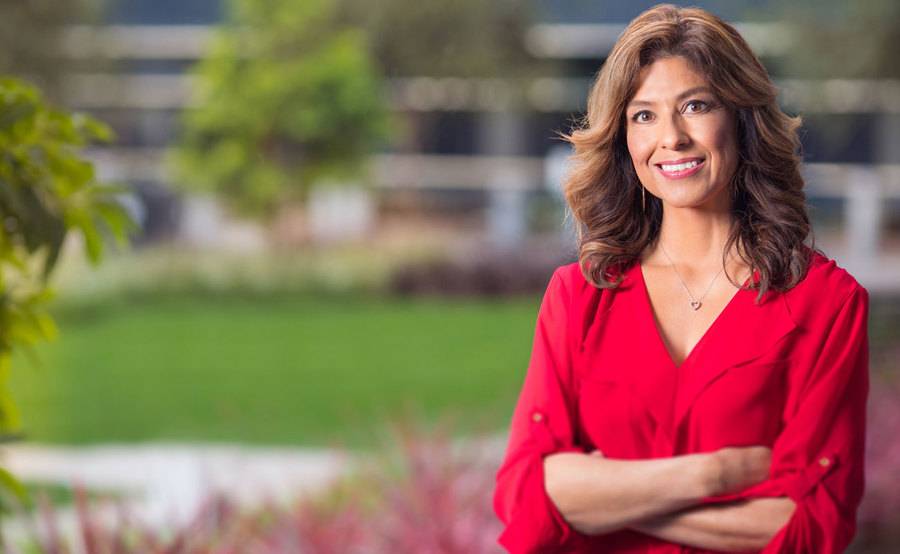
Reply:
x=599, y=495
x=732, y=527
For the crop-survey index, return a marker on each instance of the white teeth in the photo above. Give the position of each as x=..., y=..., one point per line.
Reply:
x=680, y=167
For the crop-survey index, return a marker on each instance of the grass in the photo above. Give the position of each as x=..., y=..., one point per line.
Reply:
x=273, y=370
x=287, y=368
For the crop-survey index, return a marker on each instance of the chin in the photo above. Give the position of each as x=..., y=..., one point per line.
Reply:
x=688, y=200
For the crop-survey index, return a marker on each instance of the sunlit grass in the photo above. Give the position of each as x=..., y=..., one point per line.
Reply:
x=284, y=369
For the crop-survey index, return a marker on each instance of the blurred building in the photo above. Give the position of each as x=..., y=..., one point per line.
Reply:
x=485, y=154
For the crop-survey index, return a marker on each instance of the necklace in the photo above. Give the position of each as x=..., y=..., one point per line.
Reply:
x=695, y=303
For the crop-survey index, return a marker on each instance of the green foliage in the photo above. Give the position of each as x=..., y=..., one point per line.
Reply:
x=46, y=190
x=12, y=493
x=287, y=97
x=463, y=38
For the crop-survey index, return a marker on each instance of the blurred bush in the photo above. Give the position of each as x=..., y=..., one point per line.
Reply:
x=166, y=271
x=423, y=494
x=482, y=273
x=426, y=495
x=435, y=38
x=288, y=98
x=880, y=511
x=47, y=190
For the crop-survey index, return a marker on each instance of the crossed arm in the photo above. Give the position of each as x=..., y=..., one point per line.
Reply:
x=547, y=485
x=661, y=497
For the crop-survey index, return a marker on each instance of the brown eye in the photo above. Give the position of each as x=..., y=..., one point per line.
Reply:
x=700, y=106
x=641, y=117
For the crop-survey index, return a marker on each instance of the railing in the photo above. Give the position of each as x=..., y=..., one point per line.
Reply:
x=869, y=195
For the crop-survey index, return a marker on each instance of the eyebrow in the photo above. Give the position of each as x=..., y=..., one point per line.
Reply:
x=682, y=96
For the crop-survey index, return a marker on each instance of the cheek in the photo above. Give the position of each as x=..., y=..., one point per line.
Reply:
x=723, y=140
x=640, y=149
x=726, y=145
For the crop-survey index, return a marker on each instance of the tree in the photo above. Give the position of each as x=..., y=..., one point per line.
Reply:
x=287, y=97
x=47, y=191
x=436, y=38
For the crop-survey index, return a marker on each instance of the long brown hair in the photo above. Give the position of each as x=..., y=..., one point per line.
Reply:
x=770, y=221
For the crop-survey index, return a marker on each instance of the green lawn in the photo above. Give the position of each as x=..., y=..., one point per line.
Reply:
x=285, y=370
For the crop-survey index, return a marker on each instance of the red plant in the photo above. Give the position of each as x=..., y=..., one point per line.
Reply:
x=427, y=498
x=440, y=504
x=879, y=514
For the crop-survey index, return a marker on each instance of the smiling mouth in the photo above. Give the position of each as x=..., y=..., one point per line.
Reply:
x=681, y=169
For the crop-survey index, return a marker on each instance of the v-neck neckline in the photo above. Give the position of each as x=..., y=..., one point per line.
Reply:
x=648, y=305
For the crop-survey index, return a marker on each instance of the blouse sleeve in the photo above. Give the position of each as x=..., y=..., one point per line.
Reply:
x=818, y=458
x=541, y=425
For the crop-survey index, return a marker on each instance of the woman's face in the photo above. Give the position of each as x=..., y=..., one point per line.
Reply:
x=682, y=140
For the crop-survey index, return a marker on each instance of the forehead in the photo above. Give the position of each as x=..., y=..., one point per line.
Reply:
x=666, y=78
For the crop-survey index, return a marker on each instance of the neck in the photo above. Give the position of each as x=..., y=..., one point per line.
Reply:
x=693, y=238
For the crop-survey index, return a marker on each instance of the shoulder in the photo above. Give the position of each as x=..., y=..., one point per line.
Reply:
x=826, y=277
x=825, y=289
x=569, y=275
x=581, y=296
x=570, y=278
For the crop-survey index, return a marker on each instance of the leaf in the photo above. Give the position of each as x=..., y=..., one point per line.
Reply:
x=116, y=219
x=93, y=241
x=92, y=129
x=9, y=483
x=10, y=420
x=13, y=114
x=10, y=199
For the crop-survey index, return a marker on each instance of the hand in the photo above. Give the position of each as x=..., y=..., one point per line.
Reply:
x=735, y=468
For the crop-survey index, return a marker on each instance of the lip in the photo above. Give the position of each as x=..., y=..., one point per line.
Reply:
x=681, y=174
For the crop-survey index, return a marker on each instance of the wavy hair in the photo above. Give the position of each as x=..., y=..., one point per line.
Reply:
x=770, y=221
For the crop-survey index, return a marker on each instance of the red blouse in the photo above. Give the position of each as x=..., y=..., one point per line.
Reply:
x=790, y=373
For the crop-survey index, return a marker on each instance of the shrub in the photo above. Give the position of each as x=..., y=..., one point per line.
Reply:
x=427, y=496
x=47, y=190
x=485, y=273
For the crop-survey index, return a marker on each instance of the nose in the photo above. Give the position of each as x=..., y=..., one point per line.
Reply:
x=673, y=135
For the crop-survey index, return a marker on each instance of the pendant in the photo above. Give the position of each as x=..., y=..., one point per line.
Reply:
x=695, y=304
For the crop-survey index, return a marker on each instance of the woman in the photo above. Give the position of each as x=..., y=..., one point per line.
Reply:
x=698, y=379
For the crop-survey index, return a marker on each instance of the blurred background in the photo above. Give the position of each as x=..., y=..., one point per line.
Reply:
x=344, y=214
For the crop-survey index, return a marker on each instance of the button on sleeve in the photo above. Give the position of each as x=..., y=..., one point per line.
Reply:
x=818, y=458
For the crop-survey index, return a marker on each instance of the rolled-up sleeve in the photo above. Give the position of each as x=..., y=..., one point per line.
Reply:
x=818, y=458
x=541, y=425
x=820, y=454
